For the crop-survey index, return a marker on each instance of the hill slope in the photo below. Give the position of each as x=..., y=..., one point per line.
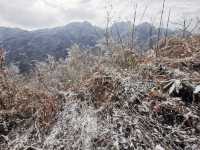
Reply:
x=25, y=46
x=109, y=102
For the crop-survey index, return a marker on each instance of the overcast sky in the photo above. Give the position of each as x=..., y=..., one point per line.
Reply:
x=34, y=14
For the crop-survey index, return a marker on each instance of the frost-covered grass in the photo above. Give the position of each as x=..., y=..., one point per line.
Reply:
x=107, y=101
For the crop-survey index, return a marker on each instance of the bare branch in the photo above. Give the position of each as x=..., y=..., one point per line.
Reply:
x=168, y=20
x=133, y=28
x=160, y=25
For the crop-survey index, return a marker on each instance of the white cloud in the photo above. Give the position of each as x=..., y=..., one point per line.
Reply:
x=33, y=14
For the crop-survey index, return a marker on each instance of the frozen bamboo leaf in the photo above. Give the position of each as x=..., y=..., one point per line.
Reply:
x=197, y=90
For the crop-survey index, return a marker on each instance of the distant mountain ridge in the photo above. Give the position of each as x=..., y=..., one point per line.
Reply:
x=23, y=47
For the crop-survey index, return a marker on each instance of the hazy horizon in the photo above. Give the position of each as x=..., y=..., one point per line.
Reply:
x=83, y=21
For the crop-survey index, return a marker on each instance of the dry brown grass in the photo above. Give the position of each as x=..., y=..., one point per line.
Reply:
x=101, y=88
x=37, y=95
x=26, y=101
x=179, y=48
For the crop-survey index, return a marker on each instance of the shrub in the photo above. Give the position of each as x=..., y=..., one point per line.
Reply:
x=124, y=58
